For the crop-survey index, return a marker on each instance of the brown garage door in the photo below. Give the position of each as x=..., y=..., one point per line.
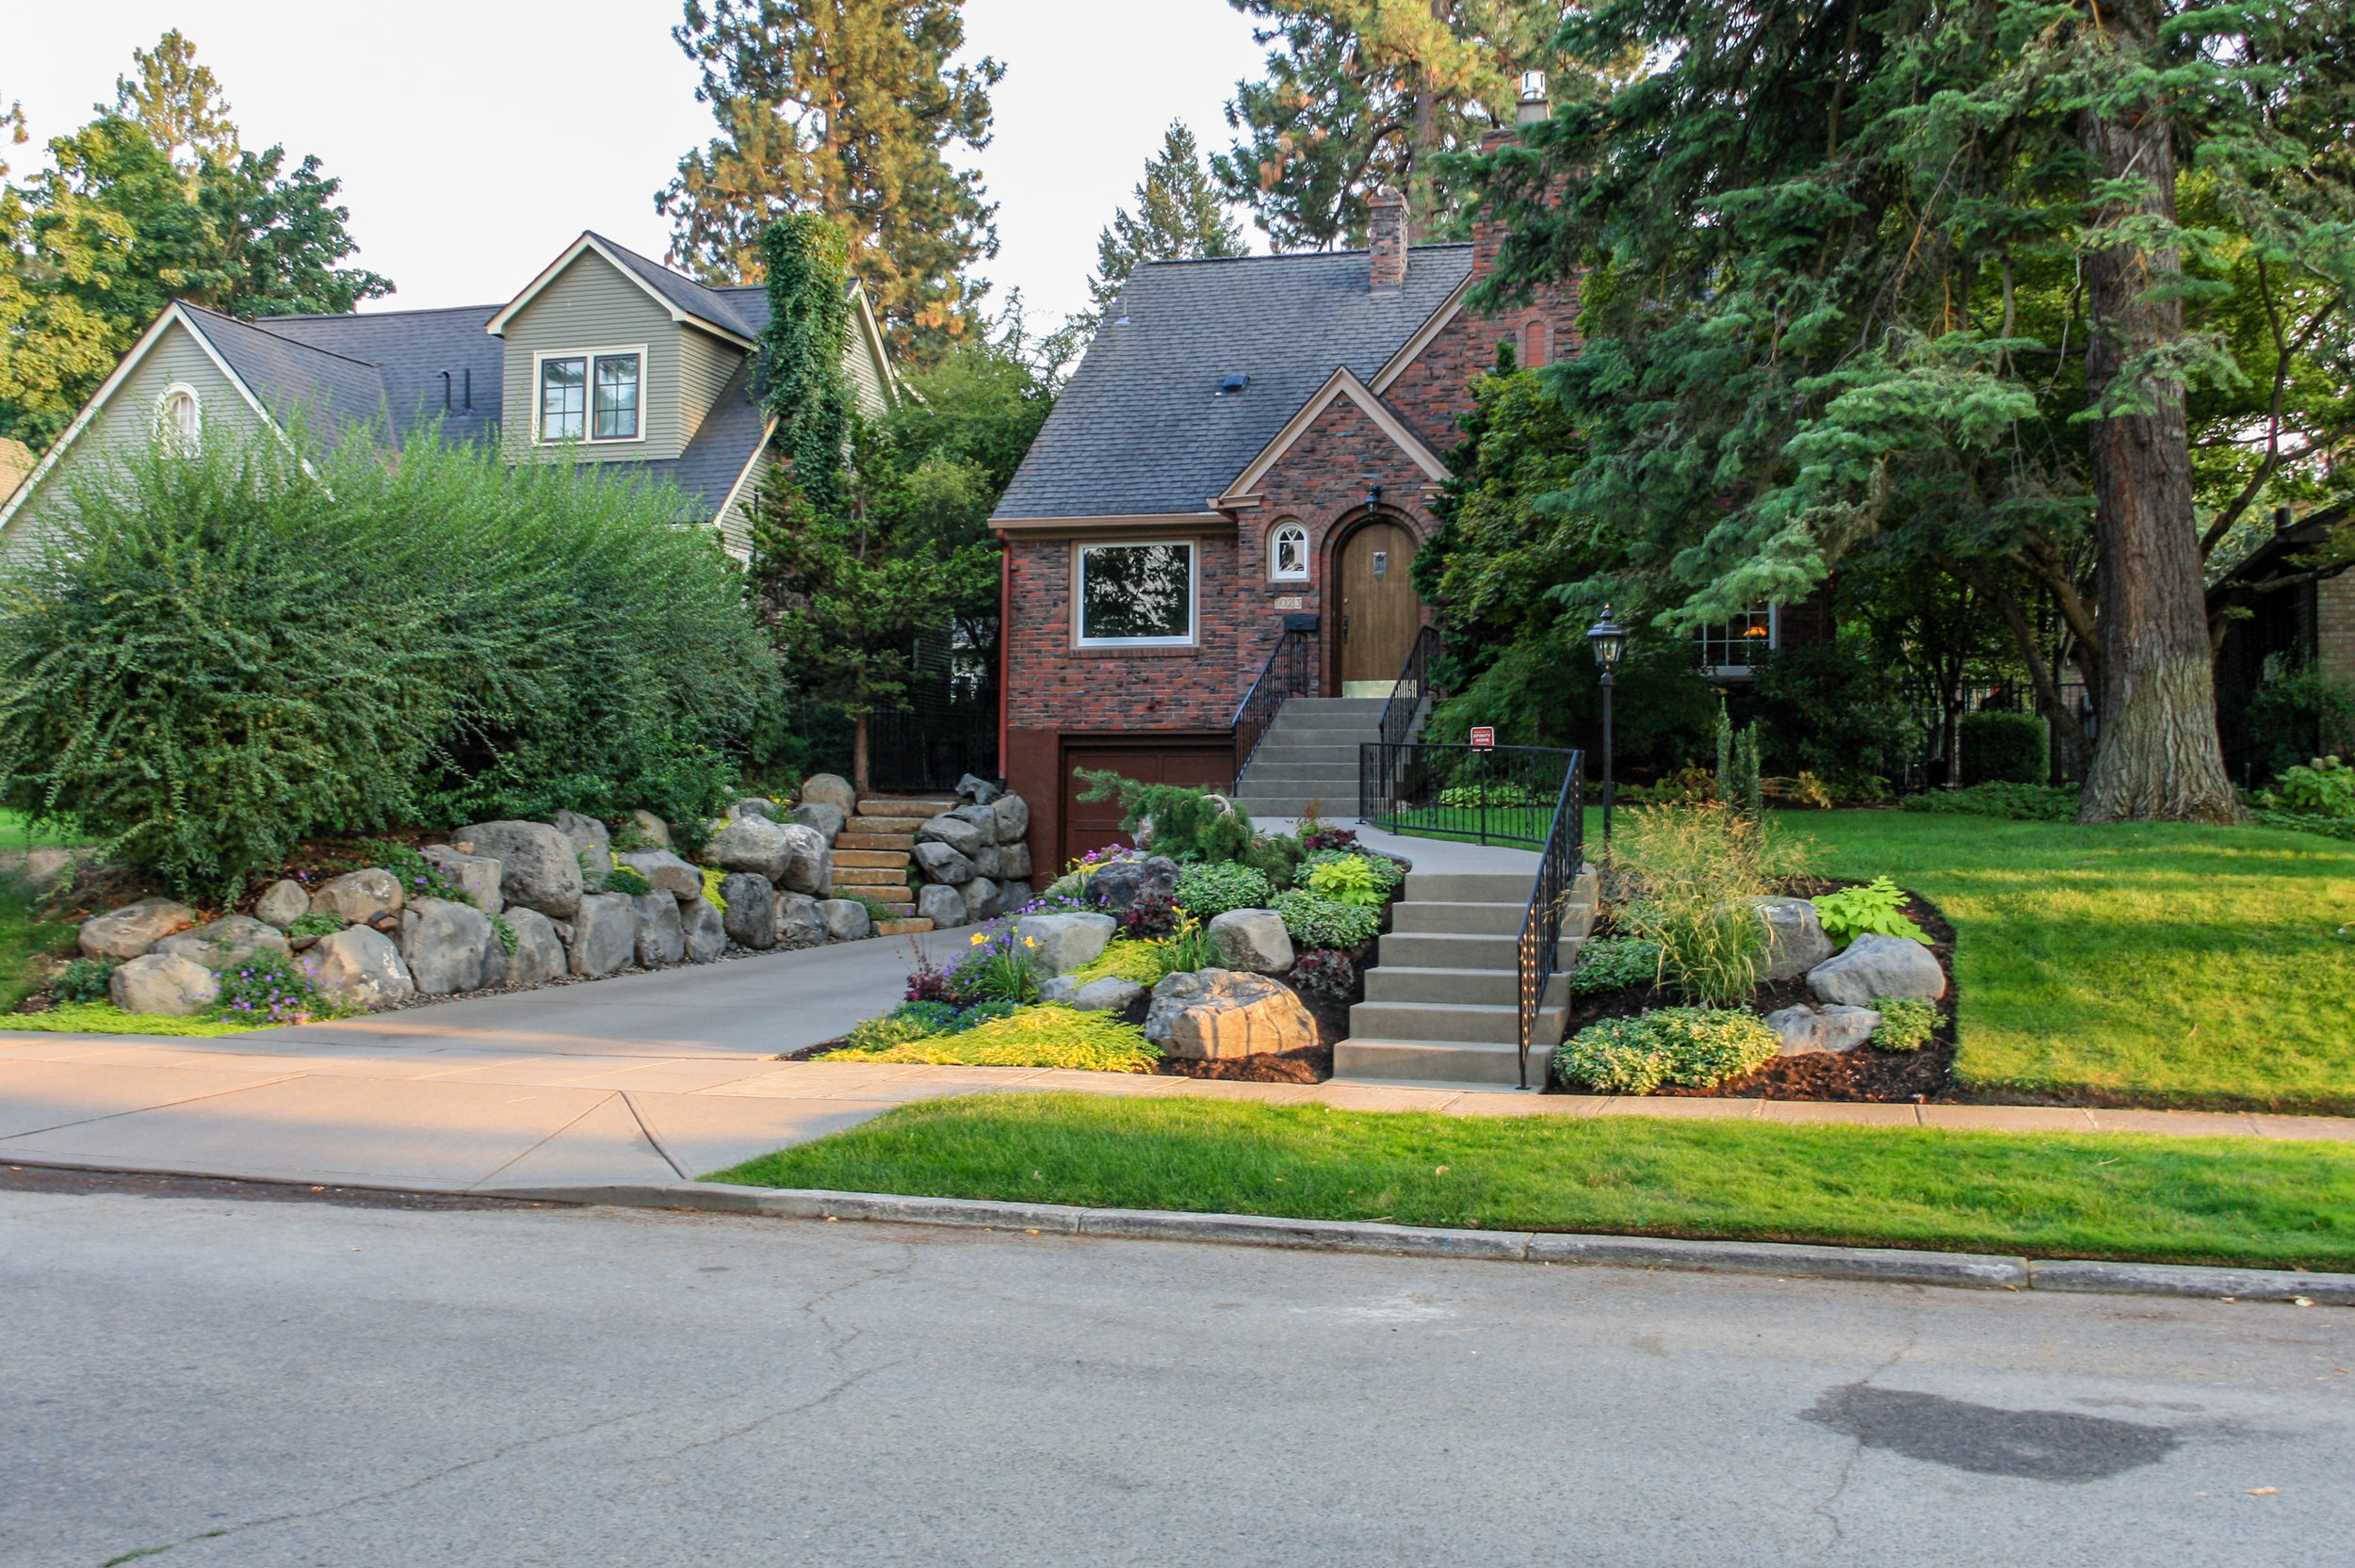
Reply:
x=1091, y=824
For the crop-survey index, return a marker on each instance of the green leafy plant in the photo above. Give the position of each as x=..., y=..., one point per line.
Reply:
x=1045, y=1035
x=504, y=930
x=1690, y=1047
x=2323, y=788
x=1140, y=962
x=1210, y=889
x=713, y=877
x=316, y=925
x=1688, y=878
x=2022, y=802
x=1613, y=964
x=1496, y=793
x=1905, y=1023
x=877, y=911
x=1350, y=880
x=1325, y=975
x=998, y=966
x=1315, y=921
x=1178, y=822
x=86, y=979
x=1874, y=908
x=2005, y=748
x=1186, y=949
x=269, y=988
x=882, y=1034
x=627, y=878
x=419, y=877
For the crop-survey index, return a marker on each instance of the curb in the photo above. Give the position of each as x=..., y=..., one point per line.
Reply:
x=1784, y=1260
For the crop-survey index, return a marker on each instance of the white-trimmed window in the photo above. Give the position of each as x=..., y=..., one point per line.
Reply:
x=1732, y=647
x=180, y=418
x=1139, y=595
x=592, y=394
x=1287, y=553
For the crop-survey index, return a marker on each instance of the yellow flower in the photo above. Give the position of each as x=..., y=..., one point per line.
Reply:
x=977, y=941
x=1029, y=941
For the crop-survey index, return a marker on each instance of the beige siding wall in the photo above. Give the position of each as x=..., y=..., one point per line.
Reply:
x=736, y=523
x=866, y=373
x=704, y=365
x=592, y=305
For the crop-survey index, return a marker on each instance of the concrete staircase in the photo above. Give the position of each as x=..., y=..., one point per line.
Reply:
x=872, y=853
x=1310, y=753
x=1442, y=1001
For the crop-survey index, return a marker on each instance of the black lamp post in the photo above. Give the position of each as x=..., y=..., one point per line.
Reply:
x=1610, y=640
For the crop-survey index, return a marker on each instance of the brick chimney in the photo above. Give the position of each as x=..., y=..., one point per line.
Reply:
x=1533, y=106
x=1387, y=239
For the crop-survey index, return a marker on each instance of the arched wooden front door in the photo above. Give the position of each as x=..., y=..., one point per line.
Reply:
x=1378, y=613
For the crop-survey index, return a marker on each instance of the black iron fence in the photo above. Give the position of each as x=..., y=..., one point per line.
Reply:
x=1486, y=794
x=932, y=750
x=1290, y=672
x=1548, y=900
x=1413, y=690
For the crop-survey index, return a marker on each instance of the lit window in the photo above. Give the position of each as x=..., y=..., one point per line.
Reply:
x=1287, y=553
x=617, y=397
x=563, y=399
x=1732, y=647
x=1136, y=594
x=592, y=396
x=181, y=420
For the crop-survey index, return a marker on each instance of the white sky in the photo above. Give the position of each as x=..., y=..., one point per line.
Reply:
x=475, y=140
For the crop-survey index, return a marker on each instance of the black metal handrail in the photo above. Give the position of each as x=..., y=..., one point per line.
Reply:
x=1413, y=685
x=1288, y=672
x=1541, y=929
x=1488, y=793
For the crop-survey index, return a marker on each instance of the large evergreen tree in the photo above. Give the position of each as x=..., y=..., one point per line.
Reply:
x=845, y=109
x=1956, y=278
x=1178, y=216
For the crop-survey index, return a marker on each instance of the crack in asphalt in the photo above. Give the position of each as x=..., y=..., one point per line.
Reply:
x=1855, y=1445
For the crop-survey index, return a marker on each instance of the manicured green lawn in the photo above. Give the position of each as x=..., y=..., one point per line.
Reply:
x=2227, y=1200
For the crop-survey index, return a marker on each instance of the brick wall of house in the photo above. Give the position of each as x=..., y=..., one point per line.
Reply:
x=2334, y=627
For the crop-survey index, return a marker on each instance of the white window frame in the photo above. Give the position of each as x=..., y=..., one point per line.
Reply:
x=1274, y=568
x=1773, y=641
x=184, y=442
x=1078, y=593
x=588, y=394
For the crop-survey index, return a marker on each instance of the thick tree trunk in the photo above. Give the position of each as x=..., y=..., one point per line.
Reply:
x=862, y=782
x=2157, y=756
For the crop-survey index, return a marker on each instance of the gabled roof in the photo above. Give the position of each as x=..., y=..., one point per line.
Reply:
x=723, y=451
x=410, y=351
x=1343, y=382
x=715, y=310
x=1143, y=431
x=333, y=389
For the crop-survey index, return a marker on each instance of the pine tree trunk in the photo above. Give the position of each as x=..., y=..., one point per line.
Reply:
x=862, y=781
x=2157, y=757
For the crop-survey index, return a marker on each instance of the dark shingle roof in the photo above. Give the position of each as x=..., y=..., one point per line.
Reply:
x=291, y=377
x=1141, y=430
x=410, y=351
x=719, y=306
x=724, y=443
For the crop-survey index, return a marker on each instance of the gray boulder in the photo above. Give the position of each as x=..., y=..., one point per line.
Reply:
x=1011, y=897
x=758, y=805
x=666, y=872
x=831, y=789
x=494, y=958
x=1212, y=1014
x=980, y=899
x=752, y=844
x=801, y=923
x=1252, y=939
x=538, y=868
x=282, y=903
x=810, y=869
x=1795, y=942
x=1879, y=966
x=1067, y=942
x=701, y=928
x=942, y=905
x=588, y=835
x=1013, y=860
x=1110, y=994
x=444, y=949
x=358, y=896
x=990, y=862
x=652, y=829
x=538, y=955
x=605, y=934
x=225, y=943
x=661, y=939
x=979, y=791
x=942, y=864
x=1013, y=818
x=166, y=984
x=954, y=831
x=847, y=919
x=821, y=817
x=595, y=865
x=478, y=875
x=1807, y=1030
x=359, y=968
x=750, y=917
x=984, y=820
x=1122, y=883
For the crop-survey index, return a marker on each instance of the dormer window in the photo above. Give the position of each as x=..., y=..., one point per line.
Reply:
x=592, y=394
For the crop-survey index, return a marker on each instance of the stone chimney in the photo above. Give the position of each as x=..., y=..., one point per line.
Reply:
x=1387, y=238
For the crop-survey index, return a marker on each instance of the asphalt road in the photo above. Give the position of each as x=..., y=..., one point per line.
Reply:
x=223, y=1380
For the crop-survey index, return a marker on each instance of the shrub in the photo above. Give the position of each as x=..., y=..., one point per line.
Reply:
x=1181, y=823
x=1389, y=870
x=882, y=1034
x=1351, y=879
x=267, y=988
x=713, y=877
x=86, y=979
x=1690, y=1047
x=1328, y=976
x=419, y=877
x=1498, y=793
x=627, y=878
x=1689, y=876
x=2005, y=748
x=1031, y=1037
x=316, y=925
x=2023, y=802
x=2299, y=711
x=1150, y=915
x=1875, y=909
x=1905, y=1023
x=205, y=659
x=1613, y=964
x=1123, y=959
x=2323, y=788
x=1211, y=890
x=501, y=927
x=1315, y=921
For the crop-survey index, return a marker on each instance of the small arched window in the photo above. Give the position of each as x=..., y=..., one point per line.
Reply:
x=1287, y=553
x=1536, y=344
x=181, y=419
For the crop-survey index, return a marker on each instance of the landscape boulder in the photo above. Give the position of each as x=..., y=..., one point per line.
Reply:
x=479, y=874
x=1013, y=818
x=1875, y=965
x=282, y=903
x=978, y=790
x=538, y=955
x=1110, y=994
x=444, y=949
x=706, y=937
x=494, y=968
x=1121, y=882
x=588, y=835
x=652, y=829
x=1252, y=939
x=1014, y=859
x=980, y=899
x=605, y=934
x=1807, y=1030
x=227, y=941
x=752, y=844
x=985, y=820
x=661, y=937
x=358, y=896
x=954, y=831
x=163, y=983
x=757, y=805
x=666, y=872
x=942, y=863
x=538, y=868
x=810, y=867
x=750, y=917
x=800, y=921
x=942, y=905
x=821, y=818
x=847, y=919
x=1795, y=942
x=831, y=789
x=1214, y=1014
x=359, y=968
x=1065, y=942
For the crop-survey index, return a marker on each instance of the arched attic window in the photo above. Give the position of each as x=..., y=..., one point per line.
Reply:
x=180, y=419
x=1287, y=553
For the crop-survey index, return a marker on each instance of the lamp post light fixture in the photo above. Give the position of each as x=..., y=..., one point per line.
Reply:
x=1609, y=639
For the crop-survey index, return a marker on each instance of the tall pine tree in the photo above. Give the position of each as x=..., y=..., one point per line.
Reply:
x=1178, y=216
x=845, y=108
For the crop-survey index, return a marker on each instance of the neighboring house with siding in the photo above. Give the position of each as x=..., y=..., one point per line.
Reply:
x=605, y=358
